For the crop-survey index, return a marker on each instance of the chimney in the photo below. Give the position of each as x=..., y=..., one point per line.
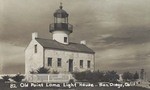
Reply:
x=83, y=42
x=34, y=35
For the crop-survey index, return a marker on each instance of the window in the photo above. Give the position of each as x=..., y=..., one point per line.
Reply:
x=65, y=39
x=35, y=48
x=81, y=63
x=49, y=61
x=88, y=64
x=59, y=62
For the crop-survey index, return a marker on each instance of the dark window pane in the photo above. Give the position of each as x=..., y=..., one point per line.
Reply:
x=49, y=61
x=35, y=48
x=59, y=62
x=81, y=63
x=89, y=64
x=65, y=39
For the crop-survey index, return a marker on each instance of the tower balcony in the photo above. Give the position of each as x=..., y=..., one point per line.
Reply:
x=61, y=27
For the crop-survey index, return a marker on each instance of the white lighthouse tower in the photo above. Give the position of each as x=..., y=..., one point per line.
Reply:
x=61, y=28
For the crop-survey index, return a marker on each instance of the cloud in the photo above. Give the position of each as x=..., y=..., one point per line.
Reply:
x=121, y=38
x=117, y=30
x=22, y=17
x=14, y=68
x=124, y=58
x=10, y=56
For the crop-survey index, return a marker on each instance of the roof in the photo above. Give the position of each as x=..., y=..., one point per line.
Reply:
x=74, y=47
x=60, y=13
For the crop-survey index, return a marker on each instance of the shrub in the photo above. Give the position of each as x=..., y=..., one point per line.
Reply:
x=89, y=76
x=5, y=78
x=96, y=76
x=18, y=78
x=136, y=76
x=71, y=81
x=92, y=77
x=111, y=76
x=33, y=72
x=127, y=76
x=55, y=72
x=80, y=76
x=43, y=70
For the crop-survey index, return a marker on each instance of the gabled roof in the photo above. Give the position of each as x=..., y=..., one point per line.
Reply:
x=75, y=47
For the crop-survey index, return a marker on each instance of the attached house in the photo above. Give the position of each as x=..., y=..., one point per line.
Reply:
x=58, y=54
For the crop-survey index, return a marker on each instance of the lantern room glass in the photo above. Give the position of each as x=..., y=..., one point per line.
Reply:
x=61, y=20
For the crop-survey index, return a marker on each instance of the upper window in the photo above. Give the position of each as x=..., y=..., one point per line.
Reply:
x=88, y=64
x=59, y=62
x=65, y=39
x=49, y=62
x=35, y=48
x=60, y=20
x=81, y=63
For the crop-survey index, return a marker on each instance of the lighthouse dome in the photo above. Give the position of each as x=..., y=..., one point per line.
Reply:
x=60, y=13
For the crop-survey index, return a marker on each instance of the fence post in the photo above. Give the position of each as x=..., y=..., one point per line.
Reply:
x=48, y=77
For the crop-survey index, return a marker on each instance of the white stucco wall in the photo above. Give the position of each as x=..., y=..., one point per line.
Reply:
x=59, y=36
x=65, y=56
x=33, y=60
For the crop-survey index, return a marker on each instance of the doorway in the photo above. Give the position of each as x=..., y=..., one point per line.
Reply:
x=70, y=65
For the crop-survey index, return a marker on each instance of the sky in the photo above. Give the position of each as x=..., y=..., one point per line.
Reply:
x=117, y=30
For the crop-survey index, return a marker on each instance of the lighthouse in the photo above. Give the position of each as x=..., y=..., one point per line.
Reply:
x=58, y=54
x=61, y=29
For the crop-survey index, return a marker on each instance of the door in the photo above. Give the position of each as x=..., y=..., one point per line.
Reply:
x=70, y=65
